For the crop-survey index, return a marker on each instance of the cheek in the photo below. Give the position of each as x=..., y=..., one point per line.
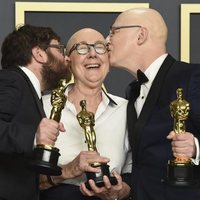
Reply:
x=76, y=64
x=105, y=62
x=106, y=68
x=117, y=47
x=76, y=70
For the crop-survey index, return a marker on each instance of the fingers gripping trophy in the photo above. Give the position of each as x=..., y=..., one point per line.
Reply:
x=180, y=170
x=46, y=156
x=87, y=121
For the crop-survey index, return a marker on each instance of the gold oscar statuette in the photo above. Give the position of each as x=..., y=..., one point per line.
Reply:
x=86, y=120
x=46, y=156
x=180, y=170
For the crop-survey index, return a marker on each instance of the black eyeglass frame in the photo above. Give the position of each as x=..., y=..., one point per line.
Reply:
x=75, y=47
x=115, y=28
x=61, y=47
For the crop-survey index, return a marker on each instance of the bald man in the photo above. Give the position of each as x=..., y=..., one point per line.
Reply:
x=137, y=41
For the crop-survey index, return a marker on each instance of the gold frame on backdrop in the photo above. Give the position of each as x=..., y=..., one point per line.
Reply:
x=22, y=7
x=186, y=10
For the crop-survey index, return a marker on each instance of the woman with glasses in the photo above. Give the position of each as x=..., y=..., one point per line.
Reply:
x=89, y=64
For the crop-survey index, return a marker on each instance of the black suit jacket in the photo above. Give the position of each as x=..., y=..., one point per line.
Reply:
x=147, y=134
x=20, y=114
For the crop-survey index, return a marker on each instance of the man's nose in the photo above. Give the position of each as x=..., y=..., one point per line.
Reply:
x=92, y=51
x=108, y=39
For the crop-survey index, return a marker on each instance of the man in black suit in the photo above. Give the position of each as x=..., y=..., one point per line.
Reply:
x=137, y=41
x=32, y=62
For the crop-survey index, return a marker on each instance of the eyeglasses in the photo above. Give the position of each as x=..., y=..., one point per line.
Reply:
x=114, y=29
x=60, y=47
x=84, y=48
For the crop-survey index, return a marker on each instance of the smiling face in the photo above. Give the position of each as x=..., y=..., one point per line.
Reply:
x=89, y=68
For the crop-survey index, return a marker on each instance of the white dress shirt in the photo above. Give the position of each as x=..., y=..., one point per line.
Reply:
x=150, y=73
x=34, y=80
x=110, y=128
x=36, y=84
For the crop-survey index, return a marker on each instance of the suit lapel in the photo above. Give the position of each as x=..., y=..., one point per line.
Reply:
x=135, y=125
x=131, y=120
x=34, y=93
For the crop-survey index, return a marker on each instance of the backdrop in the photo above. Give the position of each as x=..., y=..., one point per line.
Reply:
x=182, y=18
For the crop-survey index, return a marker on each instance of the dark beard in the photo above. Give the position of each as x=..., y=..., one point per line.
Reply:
x=53, y=71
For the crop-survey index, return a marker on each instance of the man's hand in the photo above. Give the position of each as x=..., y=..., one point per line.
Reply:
x=82, y=163
x=48, y=131
x=183, y=144
x=108, y=191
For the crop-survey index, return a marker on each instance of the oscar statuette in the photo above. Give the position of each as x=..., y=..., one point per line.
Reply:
x=46, y=156
x=180, y=170
x=86, y=120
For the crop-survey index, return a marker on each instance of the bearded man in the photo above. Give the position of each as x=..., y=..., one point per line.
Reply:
x=32, y=61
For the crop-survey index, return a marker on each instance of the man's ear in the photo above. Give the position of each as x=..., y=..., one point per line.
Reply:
x=142, y=37
x=39, y=55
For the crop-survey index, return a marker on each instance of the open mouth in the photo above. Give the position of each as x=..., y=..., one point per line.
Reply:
x=92, y=66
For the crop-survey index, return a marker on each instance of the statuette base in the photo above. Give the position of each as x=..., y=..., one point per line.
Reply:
x=181, y=175
x=98, y=177
x=45, y=161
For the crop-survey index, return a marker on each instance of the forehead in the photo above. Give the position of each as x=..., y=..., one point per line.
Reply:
x=88, y=36
x=127, y=18
x=121, y=19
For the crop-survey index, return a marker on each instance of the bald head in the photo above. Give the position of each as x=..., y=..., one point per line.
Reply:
x=88, y=58
x=87, y=35
x=137, y=32
x=145, y=17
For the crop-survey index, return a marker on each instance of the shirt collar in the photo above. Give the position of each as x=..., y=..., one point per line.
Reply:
x=34, y=80
x=152, y=70
x=105, y=96
x=106, y=99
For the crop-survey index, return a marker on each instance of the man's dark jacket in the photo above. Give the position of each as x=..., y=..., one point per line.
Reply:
x=147, y=134
x=20, y=114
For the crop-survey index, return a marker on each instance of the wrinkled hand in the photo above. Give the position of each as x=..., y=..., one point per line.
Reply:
x=48, y=131
x=82, y=163
x=183, y=145
x=108, y=192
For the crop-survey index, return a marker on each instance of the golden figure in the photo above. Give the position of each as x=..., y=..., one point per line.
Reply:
x=46, y=156
x=179, y=109
x=58, y=100
x=87, y=122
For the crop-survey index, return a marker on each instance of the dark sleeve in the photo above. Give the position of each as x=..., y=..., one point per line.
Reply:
x=193, y=123
x=127, y=178
x=12, y=137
